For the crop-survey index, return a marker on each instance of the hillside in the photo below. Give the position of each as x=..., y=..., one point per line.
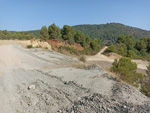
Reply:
x=109, y=31
x=34, y=32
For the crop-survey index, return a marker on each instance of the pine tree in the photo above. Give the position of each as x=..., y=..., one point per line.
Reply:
x=44, y=33
x=68, y=32
x=54, y=32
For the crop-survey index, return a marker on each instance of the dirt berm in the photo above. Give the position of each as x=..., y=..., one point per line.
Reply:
x=44, y=81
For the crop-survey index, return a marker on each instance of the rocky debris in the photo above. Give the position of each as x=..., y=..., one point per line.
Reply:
x=93, y=67
x=31, y=87
x=49, y=96
x=128, y=93
x=96, y=103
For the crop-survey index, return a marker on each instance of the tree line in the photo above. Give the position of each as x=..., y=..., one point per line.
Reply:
x=68, y=34
x=107, y=32
x=7, y=35
x=127, y=46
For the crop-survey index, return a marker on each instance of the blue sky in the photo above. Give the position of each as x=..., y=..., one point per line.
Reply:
x=23, y=15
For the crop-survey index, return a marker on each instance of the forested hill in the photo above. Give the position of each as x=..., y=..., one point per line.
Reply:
x=111, y=31
x=106, y=32
x=34, y=32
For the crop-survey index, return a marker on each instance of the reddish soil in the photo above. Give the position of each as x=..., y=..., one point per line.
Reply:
x=56, y=44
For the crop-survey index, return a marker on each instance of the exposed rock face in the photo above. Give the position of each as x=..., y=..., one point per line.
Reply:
x=36, y=43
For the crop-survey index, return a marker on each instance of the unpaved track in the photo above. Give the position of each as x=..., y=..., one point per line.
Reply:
x=101, y=57
x=60, y=87
x=19, y=68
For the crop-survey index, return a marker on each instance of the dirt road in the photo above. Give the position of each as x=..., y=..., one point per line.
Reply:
x=41, y=81
x=101, y=57
x=20, y=68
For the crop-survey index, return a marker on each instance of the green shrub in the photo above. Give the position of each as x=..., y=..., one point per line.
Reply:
x=145, y=88
x=131, y=54
x=37, y=46
x=29, y=46
x=148, y=71
x=46, y=47
x=82, y=58
x=127, y=70
x=148, y=57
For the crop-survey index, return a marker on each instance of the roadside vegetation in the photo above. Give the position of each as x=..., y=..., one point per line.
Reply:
x=125, y=69
x=82, y=58
x=127, y=46
x=29, y=46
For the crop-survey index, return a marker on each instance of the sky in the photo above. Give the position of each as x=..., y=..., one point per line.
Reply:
x=24, y=15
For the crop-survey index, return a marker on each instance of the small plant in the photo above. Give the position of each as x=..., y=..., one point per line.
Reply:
x=37, y=46
x=46, y=47
x=29, y=46
x=82, y=58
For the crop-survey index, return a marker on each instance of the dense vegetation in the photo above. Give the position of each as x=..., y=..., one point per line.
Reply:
x=68, y=34
x=106, y=32
x=34, y=32
x=110, y=32
x=7, y=35
x=127, y=46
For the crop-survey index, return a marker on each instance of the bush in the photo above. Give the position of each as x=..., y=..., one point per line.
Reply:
x=46, y=47
x=127, y=70
x=69, y=50
x=131, y=54
x=145, y=88
x=37, y=46
x=148, y=57
x=29, y=46
x=82, y=58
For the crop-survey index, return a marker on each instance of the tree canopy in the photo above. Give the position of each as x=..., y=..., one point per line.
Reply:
x=54, y=32
x=67, y=32
x=44, y=33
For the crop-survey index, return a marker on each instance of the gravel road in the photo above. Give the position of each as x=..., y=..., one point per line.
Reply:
x=42, y=81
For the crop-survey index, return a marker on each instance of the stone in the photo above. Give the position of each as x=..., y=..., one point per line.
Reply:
x=31, y=87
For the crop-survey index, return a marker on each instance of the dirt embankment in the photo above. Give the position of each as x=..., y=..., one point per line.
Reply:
x=56, y=44
x=36, y=43
x=42, y=81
